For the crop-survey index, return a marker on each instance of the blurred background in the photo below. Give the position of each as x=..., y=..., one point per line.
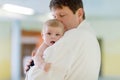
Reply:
x=20, y=33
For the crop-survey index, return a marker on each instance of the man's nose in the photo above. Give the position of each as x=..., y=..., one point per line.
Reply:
x=58, y=18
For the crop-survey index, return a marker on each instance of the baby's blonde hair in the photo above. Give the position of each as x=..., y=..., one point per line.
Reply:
x=53, y=23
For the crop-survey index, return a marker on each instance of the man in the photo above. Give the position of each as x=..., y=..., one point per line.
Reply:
x=76, y=56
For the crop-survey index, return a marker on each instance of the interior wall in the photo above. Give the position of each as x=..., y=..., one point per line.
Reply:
x=108, y=29
x=5, y=50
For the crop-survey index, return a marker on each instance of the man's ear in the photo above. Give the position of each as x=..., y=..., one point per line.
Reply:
x=80, y=13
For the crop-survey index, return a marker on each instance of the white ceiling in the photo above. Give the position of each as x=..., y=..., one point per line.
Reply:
x=40, y=6
x=92, y=7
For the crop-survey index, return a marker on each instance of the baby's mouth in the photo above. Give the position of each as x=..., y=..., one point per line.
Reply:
x=52, y=42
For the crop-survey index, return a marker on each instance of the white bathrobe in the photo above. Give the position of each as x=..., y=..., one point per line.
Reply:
x=76, y=56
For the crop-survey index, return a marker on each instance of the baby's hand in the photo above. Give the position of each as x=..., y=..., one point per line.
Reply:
x=38, y=60
x=47, y=67
x=27, y=66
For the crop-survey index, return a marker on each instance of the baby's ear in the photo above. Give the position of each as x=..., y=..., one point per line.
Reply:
x=42, y=35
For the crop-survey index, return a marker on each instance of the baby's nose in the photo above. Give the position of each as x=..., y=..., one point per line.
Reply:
x=53, y=36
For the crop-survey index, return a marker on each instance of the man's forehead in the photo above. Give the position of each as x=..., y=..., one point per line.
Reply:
x=56, y=11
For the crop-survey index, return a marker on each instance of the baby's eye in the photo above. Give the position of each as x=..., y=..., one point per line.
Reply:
x=49, y=33
x=57, y=34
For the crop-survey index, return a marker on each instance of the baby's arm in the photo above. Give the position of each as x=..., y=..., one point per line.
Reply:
x=38, y=58
x=41, y=49
x=38, y=61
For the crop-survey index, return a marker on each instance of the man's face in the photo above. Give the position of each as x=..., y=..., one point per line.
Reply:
x=66, y=16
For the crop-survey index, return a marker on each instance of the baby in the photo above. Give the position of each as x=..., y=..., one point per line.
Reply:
x=52, y=31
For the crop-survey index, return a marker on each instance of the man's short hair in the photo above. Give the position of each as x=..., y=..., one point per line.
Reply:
x=74, y=5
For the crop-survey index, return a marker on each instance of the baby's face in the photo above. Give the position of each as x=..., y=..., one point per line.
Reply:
x=52, y=34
